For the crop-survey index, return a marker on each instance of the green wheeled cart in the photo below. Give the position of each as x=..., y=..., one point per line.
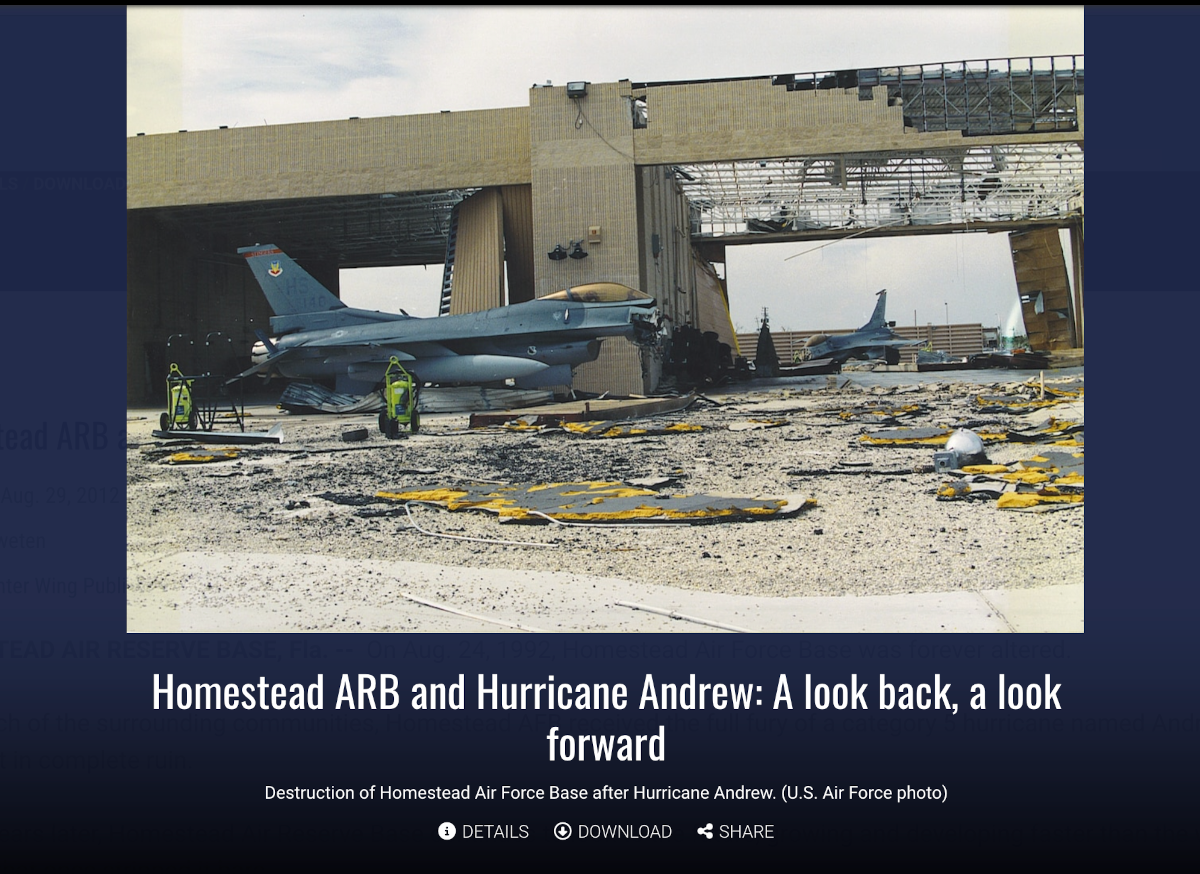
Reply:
x=181, y=408
x=401, y=392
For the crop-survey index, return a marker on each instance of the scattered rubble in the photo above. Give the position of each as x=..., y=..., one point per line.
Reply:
x=884, y=527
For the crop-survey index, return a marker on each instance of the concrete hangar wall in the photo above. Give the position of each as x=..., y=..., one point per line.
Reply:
x=595, y=169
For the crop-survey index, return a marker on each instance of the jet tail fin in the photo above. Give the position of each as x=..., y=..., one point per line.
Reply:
x=289, y=288
x=878, y=318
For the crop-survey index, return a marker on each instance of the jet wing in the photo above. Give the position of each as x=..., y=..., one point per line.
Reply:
x=343, y=355
x=262, y=366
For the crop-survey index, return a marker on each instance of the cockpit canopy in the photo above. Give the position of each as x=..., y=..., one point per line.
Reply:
x=599, y=292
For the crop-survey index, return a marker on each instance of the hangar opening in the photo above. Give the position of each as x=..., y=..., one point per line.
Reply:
x=415, y=290
x=957, y=293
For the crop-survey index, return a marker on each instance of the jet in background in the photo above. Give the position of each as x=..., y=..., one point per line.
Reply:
x=874, y=340
x=536, y=343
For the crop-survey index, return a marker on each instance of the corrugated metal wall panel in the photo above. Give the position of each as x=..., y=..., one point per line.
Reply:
x=479, y=263
x=1076, y=240
x=664, y=239
x=1041, y=271
x=518, y=241
x=712, y=306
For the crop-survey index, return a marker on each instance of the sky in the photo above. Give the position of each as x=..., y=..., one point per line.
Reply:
x=199, y=68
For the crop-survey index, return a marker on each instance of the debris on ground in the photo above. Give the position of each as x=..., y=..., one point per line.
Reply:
x=923, y=436
x=602, y=408
x=881, y=531
x=274, y=435
x=598, y=502
x=202, y=456
x=1050, y=478
x=880, y=415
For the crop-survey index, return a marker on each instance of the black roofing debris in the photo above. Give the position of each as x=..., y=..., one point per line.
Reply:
x=604, y=502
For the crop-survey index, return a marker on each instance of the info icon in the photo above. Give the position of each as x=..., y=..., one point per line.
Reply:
x=562, y=831
x=446, y=831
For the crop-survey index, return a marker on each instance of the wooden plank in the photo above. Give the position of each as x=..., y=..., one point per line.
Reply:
x=586, y=411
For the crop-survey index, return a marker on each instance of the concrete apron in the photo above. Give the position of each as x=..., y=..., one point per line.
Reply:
x=260, y=592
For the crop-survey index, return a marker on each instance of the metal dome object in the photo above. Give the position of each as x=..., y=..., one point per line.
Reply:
x=966, y=443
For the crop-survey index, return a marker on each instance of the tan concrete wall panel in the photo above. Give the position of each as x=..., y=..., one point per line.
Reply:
x=729, y=121
x=323, y=159
x=617, y=370
x=569, y=200
x=583, y=176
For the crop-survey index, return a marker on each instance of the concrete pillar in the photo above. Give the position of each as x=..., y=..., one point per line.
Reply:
x=585, y=190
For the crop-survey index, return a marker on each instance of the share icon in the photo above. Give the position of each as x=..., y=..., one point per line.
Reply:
x=705, y=830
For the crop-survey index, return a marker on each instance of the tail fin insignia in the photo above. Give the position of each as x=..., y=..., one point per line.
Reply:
x=289, y=288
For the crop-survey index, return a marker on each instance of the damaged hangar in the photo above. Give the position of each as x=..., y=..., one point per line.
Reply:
x=643, y=184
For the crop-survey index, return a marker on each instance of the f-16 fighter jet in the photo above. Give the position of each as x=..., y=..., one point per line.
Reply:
x=536, y=343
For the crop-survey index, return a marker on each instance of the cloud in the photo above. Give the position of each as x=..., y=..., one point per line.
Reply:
x=834, y=287
x=243, y=64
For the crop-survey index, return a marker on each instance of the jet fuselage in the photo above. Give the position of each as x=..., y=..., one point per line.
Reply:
x=534, y=343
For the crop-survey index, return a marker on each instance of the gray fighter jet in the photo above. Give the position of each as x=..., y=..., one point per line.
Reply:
x=536, y=343
x=872, y=341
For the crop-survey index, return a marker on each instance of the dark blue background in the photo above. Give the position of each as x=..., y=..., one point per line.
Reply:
x=87, y=765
